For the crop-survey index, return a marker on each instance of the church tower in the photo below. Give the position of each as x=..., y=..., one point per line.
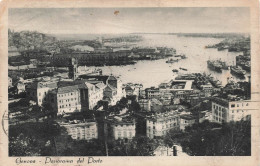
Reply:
x=73, y=69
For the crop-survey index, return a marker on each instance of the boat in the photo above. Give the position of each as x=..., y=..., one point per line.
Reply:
x=183, y=56
x=214, y=65
x=175, y=70
x=223, y=64
x=183, y=69
x=171, y=60
x=237, y=71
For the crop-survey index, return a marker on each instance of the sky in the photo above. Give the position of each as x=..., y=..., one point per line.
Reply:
x=130, y=20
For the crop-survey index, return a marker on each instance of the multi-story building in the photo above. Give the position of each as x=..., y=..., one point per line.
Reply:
x=78, y=96
x=82, y=130
x=121, y=127
x=133, y=89
x=158, y=125
x=225, y=111
x=145, y=104
x=68, y=99
x=113, y=90
x=152, y=93
x=37, y=91
x=186, y=120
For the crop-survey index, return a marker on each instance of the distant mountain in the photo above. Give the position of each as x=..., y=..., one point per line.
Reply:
x=29, y=40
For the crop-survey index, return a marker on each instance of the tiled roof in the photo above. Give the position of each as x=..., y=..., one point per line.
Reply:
x=100, y=85
x=68, y=89
x=47, y=84
x=187, y=117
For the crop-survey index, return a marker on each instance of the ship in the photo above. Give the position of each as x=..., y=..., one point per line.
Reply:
x=245, y=65
x=237, y=71
x=214, y=65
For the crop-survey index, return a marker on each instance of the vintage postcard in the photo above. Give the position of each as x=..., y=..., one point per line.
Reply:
x=133, y=83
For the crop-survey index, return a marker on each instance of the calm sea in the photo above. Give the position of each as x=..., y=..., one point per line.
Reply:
x=152, y=73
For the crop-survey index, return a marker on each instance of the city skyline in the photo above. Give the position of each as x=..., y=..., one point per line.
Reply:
x=131, y=20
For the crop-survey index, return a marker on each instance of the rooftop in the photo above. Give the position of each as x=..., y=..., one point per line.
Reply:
x=187, y=117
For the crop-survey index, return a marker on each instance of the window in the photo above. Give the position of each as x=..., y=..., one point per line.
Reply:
x=40, y=94
x=237, y=105
x=233, y=105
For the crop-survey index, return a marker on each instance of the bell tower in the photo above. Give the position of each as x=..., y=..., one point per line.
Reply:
x=73, y=68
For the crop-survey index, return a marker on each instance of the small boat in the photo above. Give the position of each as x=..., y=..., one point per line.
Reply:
x=183, y=69
x=171, y=60
x=183, y=56
x=175, y=70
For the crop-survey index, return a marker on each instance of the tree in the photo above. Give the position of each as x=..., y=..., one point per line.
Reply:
x=211, y=139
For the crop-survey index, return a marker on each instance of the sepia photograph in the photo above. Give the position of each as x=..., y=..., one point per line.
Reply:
x=129, y=81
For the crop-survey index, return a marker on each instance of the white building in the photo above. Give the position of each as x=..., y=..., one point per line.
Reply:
x=226, y=111
x=121, y=127
x=82, y=131
x=83, y=95
x=159, y=124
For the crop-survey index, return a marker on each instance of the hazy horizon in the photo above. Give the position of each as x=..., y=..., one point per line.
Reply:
x=131, y=20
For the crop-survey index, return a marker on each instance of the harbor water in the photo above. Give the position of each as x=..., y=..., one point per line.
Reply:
x=153, y=72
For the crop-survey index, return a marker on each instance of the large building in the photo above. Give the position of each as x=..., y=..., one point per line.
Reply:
x=113, y=91
x=145, y=104
x=186, y=120
x=152, y=93
x=225, y=111
x=158, y=125
x=78, y=96
x=121, y=127
x=82, y=130
x=38, y=91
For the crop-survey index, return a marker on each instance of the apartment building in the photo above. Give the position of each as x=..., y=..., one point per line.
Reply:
x=121, y=127
x=159, y=124
x=82, y=130
x=37, y=91
x=186, y=120
x=225, y=111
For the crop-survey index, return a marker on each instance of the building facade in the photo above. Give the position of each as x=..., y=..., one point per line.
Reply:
x=82, y=131
x=121, y=127
x=186, y=120
x=159, y=124
x=226, y=111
